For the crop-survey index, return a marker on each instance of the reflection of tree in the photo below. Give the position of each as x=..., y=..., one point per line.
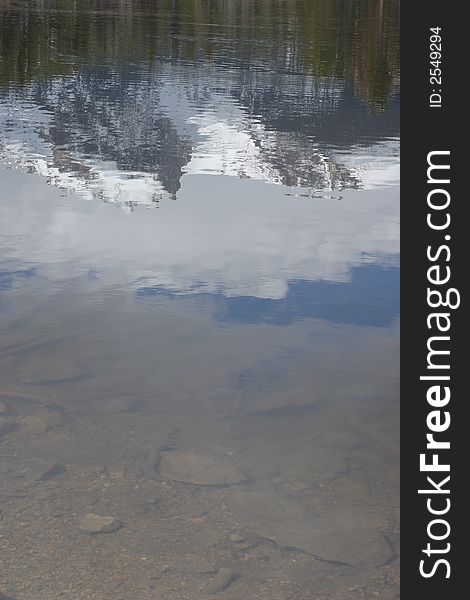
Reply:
x=356, y=40
x=116, y=87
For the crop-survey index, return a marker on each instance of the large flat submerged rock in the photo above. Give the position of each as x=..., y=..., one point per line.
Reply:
x=198, y=469
x=347, y=535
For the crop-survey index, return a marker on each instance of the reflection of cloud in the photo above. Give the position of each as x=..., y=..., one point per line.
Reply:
x=7, y=278
x=371, y=297
x=239, y=238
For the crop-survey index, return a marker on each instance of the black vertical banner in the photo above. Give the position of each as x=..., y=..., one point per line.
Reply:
x=433, y=234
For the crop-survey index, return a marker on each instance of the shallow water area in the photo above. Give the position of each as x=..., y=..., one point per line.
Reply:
x=199, y=300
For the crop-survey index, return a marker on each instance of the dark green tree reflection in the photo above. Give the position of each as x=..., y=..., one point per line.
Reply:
x=356, y=41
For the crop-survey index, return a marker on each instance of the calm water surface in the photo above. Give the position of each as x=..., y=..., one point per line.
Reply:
x=199, y=299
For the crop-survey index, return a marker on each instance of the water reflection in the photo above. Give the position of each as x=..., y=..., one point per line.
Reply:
x=223, y=236
x=352, y=41
x=217, y=379
x=128, y=130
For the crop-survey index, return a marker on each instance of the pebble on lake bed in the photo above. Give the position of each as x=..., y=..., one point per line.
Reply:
x=94, y=524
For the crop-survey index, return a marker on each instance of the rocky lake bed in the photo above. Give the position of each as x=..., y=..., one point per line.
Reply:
x=171, y=514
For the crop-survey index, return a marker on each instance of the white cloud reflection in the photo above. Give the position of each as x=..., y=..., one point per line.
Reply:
x=224, y=235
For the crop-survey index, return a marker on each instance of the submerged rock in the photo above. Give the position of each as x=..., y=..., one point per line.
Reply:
x=221, y=581
x=257, y=506
x=280, y=403
x=119, y=405
x=189, y=467
x=346, y=535
x=94, y=524
x=43, y=470
x=199, y=567
x=317, y=465
x=41, y=422
x=6, y=426
x=49, y=369
x=330, y=540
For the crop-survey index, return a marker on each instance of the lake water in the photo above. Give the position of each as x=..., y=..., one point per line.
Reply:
x=199, y=300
